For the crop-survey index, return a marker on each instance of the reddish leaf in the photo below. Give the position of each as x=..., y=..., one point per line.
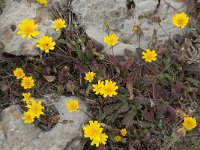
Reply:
x=113, y=59
x=191, y=5
x=147, y=138
x=70, y=86
x=89, y=45
x=5, y=87
x=82, y=68
x=129, y=86
x=178, y=87
x=128, y=119
x=128, y=63
x=101, y=147
x=62, y=73
x=47, y=70
x=172, y=111
x=50, y=78
x=142, y=100
x=131, y=147
x=16, y=93
x=161, y=110
x=160, y=92
x=95, y=65
x=148, y=115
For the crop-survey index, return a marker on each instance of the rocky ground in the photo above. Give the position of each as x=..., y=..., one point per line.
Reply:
x=149, y=94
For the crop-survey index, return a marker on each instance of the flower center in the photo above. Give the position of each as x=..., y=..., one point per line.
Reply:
x=149, y=56
x=112, y=40
x=108, y=90
x=28, y=29
x=180, y=22
x=59, y=24
x=28, y=83
x=19, y=73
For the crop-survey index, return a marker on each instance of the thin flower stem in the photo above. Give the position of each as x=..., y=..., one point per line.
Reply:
x=112, y=51
x=61, y=49
x=86, y=113
x=164, y=30
x=169, y=5
x=169, y=145
x=108, y=127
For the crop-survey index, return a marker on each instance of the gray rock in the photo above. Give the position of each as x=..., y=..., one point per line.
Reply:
x=14, y=134
x=12, y=15
x=92, y=14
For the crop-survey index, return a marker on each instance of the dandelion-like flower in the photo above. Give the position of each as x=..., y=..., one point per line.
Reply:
x=45, y=43
x=189, y=123
x=72, y=105
x=36, y=108
x=18, y=73
x=99, y=139
x=123, y=132
x=27, y=82
x=93, y=130
x=42, y=2
x=89, y=76
x=59, y=24
x=28, y=28
x=118, y=138
x=27, y=97
x=97, y=87
x=180, y=20
x=109, y=89
x=28, y=117
x=111, y=39
x=149, y=55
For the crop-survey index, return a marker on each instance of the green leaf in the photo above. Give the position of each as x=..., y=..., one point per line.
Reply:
x=193, y=81
x=166, y=79
x=81, y=55
x=101, y=115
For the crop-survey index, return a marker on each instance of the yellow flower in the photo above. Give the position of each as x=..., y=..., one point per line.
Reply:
x=123, y=132
x=72, y=105
x=45, y=43
x=59, y=24
x=92, y=130
x=89, y=76
x=182, y=131
x=27, y=28
x=118, y=138
x=180, y=20
x=109, y=89
x=111, y=39
x=149, y=55
x=27, y=82
x=99, y=139
x=27, y=97
x=28, y=117
x=42, y=2
x=189, y=123
x=97, y=87
x=18, y=73
x=36, y=109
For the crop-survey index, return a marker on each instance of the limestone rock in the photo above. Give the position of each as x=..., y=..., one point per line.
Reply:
x=93, y=13
x=13, y=14
x=14, y=134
